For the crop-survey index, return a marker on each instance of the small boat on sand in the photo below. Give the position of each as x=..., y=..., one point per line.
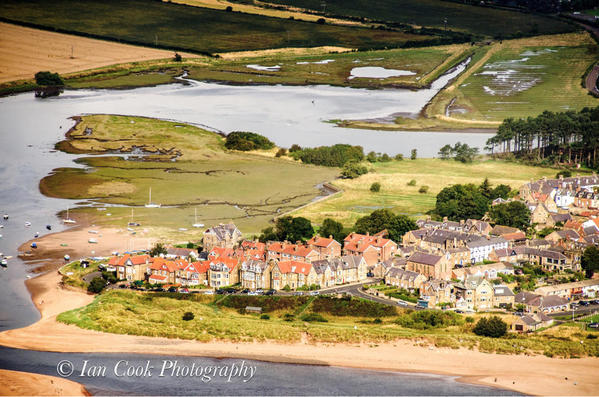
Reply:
x=92, y=241
x=150, y=203
x=37, y=234
x=67, y=257
x=33, y=245
x=68, y=219
x=27, y=224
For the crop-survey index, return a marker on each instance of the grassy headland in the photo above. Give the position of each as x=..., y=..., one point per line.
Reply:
x=290, y=320
x=188, y=170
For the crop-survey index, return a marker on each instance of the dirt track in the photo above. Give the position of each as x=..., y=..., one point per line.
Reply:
x=25, y=51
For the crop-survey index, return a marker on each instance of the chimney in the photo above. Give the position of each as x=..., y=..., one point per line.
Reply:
x=368, y=233
x=462, y=222
x=331, y=236
x=444, y=219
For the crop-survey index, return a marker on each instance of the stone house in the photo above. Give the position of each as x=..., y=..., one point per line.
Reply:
x=404, y=279
x=503, y=296
x=255, y=274
x=374, y=248
x=429, y=265
x=223, y=271
x=223, y=235
x=326, y=247
x=293, y=274
x=475, y=293
x=130, y=268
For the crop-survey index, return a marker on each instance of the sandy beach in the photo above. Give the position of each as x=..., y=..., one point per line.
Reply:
x=537, y=375
x=15, y=383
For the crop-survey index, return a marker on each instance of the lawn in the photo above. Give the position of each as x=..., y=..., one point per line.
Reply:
x=220, y=185
x=127, y=312
x=194, y=29
x=521, y=78
x=357, y=200
x=485, y=21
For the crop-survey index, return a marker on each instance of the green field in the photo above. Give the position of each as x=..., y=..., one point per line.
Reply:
x=357, y=200
x=525, y=77
x=126, y=312
x=189, y=28
x=427, y=64
x=247, y=188
x=485, y=21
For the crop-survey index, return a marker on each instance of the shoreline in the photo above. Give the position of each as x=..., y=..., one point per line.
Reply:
x=536, y=375
x=18, y=383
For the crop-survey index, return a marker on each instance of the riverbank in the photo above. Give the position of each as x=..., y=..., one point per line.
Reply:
x=16, y=383
x=538, y=375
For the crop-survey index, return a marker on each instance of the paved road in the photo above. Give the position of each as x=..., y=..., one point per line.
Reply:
x=578, y=312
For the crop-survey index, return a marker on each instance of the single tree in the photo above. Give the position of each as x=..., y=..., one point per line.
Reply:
x=375, y=187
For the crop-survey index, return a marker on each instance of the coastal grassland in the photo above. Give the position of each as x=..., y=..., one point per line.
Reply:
x=187, y=169
x=521, y=78
x=335, y=68
x=357, y=200
x=160, y=315
x=73, y=274
x=487, y=21
x=194, y=29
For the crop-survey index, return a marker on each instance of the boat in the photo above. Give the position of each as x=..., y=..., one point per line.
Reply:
x=196, y=224
x=0, y=236
x=33, y=245
x=5, y=217
x=49, y=227
x=150, y=204
x=27, y=224
x=37, y=234
x=93, y=231
x=67, y=257
x=4, y=262
x=92, y=241
x=1, y=226
x=68, y=219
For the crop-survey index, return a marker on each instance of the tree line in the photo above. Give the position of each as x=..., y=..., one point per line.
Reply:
x=552, y=137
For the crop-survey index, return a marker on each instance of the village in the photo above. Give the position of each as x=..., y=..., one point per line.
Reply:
x=464, y=266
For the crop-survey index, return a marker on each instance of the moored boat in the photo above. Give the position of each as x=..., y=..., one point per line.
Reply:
x=49, y=227
x=4, y=262
x=5, y=217
x=67, y=257
x=33, y=245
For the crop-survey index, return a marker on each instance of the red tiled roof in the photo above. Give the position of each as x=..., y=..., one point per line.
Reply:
x=294, y=267
x=157, y=277
x=360, y=242
x=321, y=241
x=514, y=236
x=198, y=267
x=162, y=264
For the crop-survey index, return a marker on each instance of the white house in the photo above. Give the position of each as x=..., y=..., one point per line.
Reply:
x=481, y=248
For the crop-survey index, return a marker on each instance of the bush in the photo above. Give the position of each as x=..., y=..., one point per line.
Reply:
x=48, y=79
x=423, y=189
x=377, y=321
x=426, y=319
x=265, y=317
x=398, y=157
x=375, y=187
x=188, y=316
x=330, y=156
x=229, y=9
x=353, y=170
x=314, y=317
x=493, y=327
x=295, y=148
x=281, y=152
x=177, y=57
x=564, y=173
x=96, y=285
x=321, y=21
x=288, y=317
x=412, y=182
x=246, y=141
x=110, y=277
x=349, y=306
x=413, y=154
x=469, y=319
x=267, y=303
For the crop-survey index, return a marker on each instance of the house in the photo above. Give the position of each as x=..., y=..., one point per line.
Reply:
x=435, y=293
x=481, y=248
x=490, y=271
x=515, y=238
x=577, y=289
x=223, y=235
x=503, y=296
x=163, y=271
x=286, y=251
x=326, y=247
x=548, y=259
x=531, y=322
x=293, y=274
x=183, y=253
x=458, y=257
x=404, y=279
x=431, y=266
x=381, y=268
x=223, y=271
x=540, y=216
x=537, y=303
x=500, y=230
x=413, y=237
x=193, y=274
x=475, y=293
x=130, y=267
x=563, y=235
x=347, y=269
x=564, y=198
x=325, y=274
x=374, y=248
x=586, y=199
x=255, y=274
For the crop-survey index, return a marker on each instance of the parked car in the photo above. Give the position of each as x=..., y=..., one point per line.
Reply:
x=370, y=274
x=230, y=290
x=314, y=293
x=270, y=292
x=220, y=291
x=298, y=293
x=260, y=291
x=245, y=291
x=253, y=293
x=209, y=292
x=584, y=303
x=595, y=302
x=172, y=289
x=184, y=290
x=593, y=325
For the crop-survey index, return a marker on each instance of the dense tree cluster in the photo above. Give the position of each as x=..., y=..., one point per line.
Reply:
x=331, y=227
x=48, y=79
x=459, y=152
x=514, y=214
x=571, y=137
x=288, y=228
x=396, y=225
x=493, y=327
x=330, y=156
x=353, y=170
x=458, y=202
x=245, y=141
x=590, y=260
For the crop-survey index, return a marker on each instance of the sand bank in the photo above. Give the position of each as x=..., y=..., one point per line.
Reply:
x=14, y=383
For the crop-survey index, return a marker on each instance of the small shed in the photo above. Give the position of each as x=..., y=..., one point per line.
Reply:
x=253, y=309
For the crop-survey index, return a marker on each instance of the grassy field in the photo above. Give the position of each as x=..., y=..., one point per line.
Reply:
x=126, y=312
x=521, y=78
x=189, y=28
x=431, y=13
x=357, y=200
x=335, y=68
x=247, y=188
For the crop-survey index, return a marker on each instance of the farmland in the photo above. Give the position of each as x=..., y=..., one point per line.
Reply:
x=188, y=171
x=485, y=21
x=188, y=28
x=357, y=200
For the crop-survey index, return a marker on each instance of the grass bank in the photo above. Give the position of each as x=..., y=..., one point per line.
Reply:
x=357, y=200
x=126, y=312
x=188, y=170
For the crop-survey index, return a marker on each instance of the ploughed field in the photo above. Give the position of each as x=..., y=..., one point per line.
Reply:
x=187, y=169
x=487, y=21
x=189, y=28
